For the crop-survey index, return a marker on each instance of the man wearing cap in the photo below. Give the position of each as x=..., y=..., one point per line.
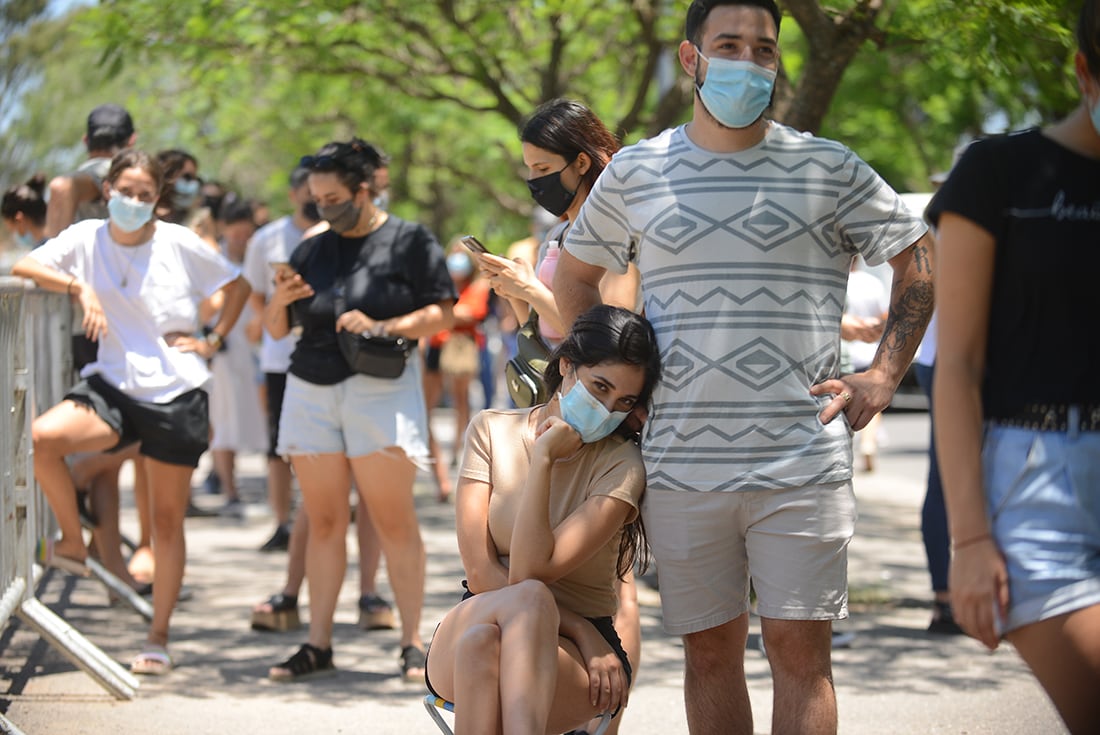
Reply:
x=78, y=195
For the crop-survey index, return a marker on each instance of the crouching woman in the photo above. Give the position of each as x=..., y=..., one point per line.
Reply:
x=547, y=518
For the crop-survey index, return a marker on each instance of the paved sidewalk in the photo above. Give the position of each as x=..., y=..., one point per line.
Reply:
x=894, y=679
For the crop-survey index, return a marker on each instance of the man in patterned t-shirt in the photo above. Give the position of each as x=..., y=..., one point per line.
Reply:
x=744, y=230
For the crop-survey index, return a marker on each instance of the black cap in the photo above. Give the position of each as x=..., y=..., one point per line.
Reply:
x=110, y=122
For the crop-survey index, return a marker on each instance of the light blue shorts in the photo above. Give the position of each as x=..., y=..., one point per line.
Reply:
x=1043, y=499
x=360, y=416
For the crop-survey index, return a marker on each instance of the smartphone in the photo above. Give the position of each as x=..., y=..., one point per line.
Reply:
x=282, y=268
x=474, y=244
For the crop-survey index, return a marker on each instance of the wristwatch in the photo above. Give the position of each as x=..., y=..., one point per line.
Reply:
x=214, y=339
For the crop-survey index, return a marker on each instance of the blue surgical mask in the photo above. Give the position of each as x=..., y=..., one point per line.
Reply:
x=590, y=418
x=382, y=201
x=736, y=93
x=187, y=193
x=25, y=240
x=128, y=214
x=1095, y=114
x=459, y=265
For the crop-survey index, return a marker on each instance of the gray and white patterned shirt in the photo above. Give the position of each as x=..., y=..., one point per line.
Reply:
x=744, y=260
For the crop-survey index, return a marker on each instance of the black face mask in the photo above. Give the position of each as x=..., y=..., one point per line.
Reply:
x=310, y=212
x=342, y=217
x=550, y=193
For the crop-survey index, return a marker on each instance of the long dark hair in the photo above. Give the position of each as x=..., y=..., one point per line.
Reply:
x=1088, y=35
x=568, y=128
x=612, y=334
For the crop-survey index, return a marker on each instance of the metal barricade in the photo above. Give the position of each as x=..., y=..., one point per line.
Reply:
x=35, y=370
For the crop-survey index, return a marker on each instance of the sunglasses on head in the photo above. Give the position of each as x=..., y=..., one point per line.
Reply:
x=322, y=163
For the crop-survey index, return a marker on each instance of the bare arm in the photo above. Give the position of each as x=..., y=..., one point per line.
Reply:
x=576, y=287
x=545, y=552
x=66, y=194
x=912, y=299
x=965, y=275
x=234, y=295
x=480, y=558
x=50, y=279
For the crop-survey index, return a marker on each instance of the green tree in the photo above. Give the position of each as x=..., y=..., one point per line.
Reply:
x=251, y=85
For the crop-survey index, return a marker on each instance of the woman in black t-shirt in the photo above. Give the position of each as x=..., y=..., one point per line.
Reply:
x=337, y=424
x=1017, y=401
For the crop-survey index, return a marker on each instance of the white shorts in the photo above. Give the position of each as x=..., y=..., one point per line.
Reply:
x=792, y=544
x=357, y=417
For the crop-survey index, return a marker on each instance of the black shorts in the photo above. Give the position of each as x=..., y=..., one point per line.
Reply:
x=276, y=389
x=431, y=359
x=177, y=432
x=605, y=626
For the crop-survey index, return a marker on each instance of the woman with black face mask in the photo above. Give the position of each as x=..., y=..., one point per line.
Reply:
x=370, y=273
x=565, y=149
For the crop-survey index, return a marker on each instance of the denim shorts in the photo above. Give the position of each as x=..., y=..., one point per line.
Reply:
x=356, y=417
x=1043, y=499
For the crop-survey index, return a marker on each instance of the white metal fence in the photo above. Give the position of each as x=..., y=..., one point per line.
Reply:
x=35, y=373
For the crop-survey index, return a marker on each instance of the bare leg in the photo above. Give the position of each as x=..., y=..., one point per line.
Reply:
x=1064, y=655
x=172, y=490
x=278, y=489
x=104, y=496
x=296, y=554
x=715, y=691
x=370, y=551
x=628, y=625
x=66, y=428
x=142, y=564
x=385, y=482
x=509, y=636
x=325, y=482
x=433, y=392
x=225, y=466
x=460, y=392
x=800, y=655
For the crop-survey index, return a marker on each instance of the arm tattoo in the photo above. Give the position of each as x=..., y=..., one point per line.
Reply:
x=920, y=256
x=908, y=317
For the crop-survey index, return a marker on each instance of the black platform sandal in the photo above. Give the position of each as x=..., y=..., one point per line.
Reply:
x=413, y=664
x=309, y=662
x=282, y=616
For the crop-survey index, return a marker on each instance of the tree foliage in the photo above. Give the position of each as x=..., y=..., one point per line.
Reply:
x=251, y=85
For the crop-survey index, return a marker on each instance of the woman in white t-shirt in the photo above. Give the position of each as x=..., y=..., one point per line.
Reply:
x=139, y=282
x=547, y=519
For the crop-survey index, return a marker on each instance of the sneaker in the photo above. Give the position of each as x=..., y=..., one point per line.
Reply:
x=280, y=540
x=212, y=485
x=194, y=511
x=843, y=638
x=943, y=620
x=233, y=508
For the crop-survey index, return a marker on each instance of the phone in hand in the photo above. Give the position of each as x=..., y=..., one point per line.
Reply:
x=282, y=269
x=474, y=244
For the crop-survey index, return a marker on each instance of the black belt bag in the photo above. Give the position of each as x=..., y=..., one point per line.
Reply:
x=379, y=357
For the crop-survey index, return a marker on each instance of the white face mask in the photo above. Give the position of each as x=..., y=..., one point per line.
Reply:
x=129, y=214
